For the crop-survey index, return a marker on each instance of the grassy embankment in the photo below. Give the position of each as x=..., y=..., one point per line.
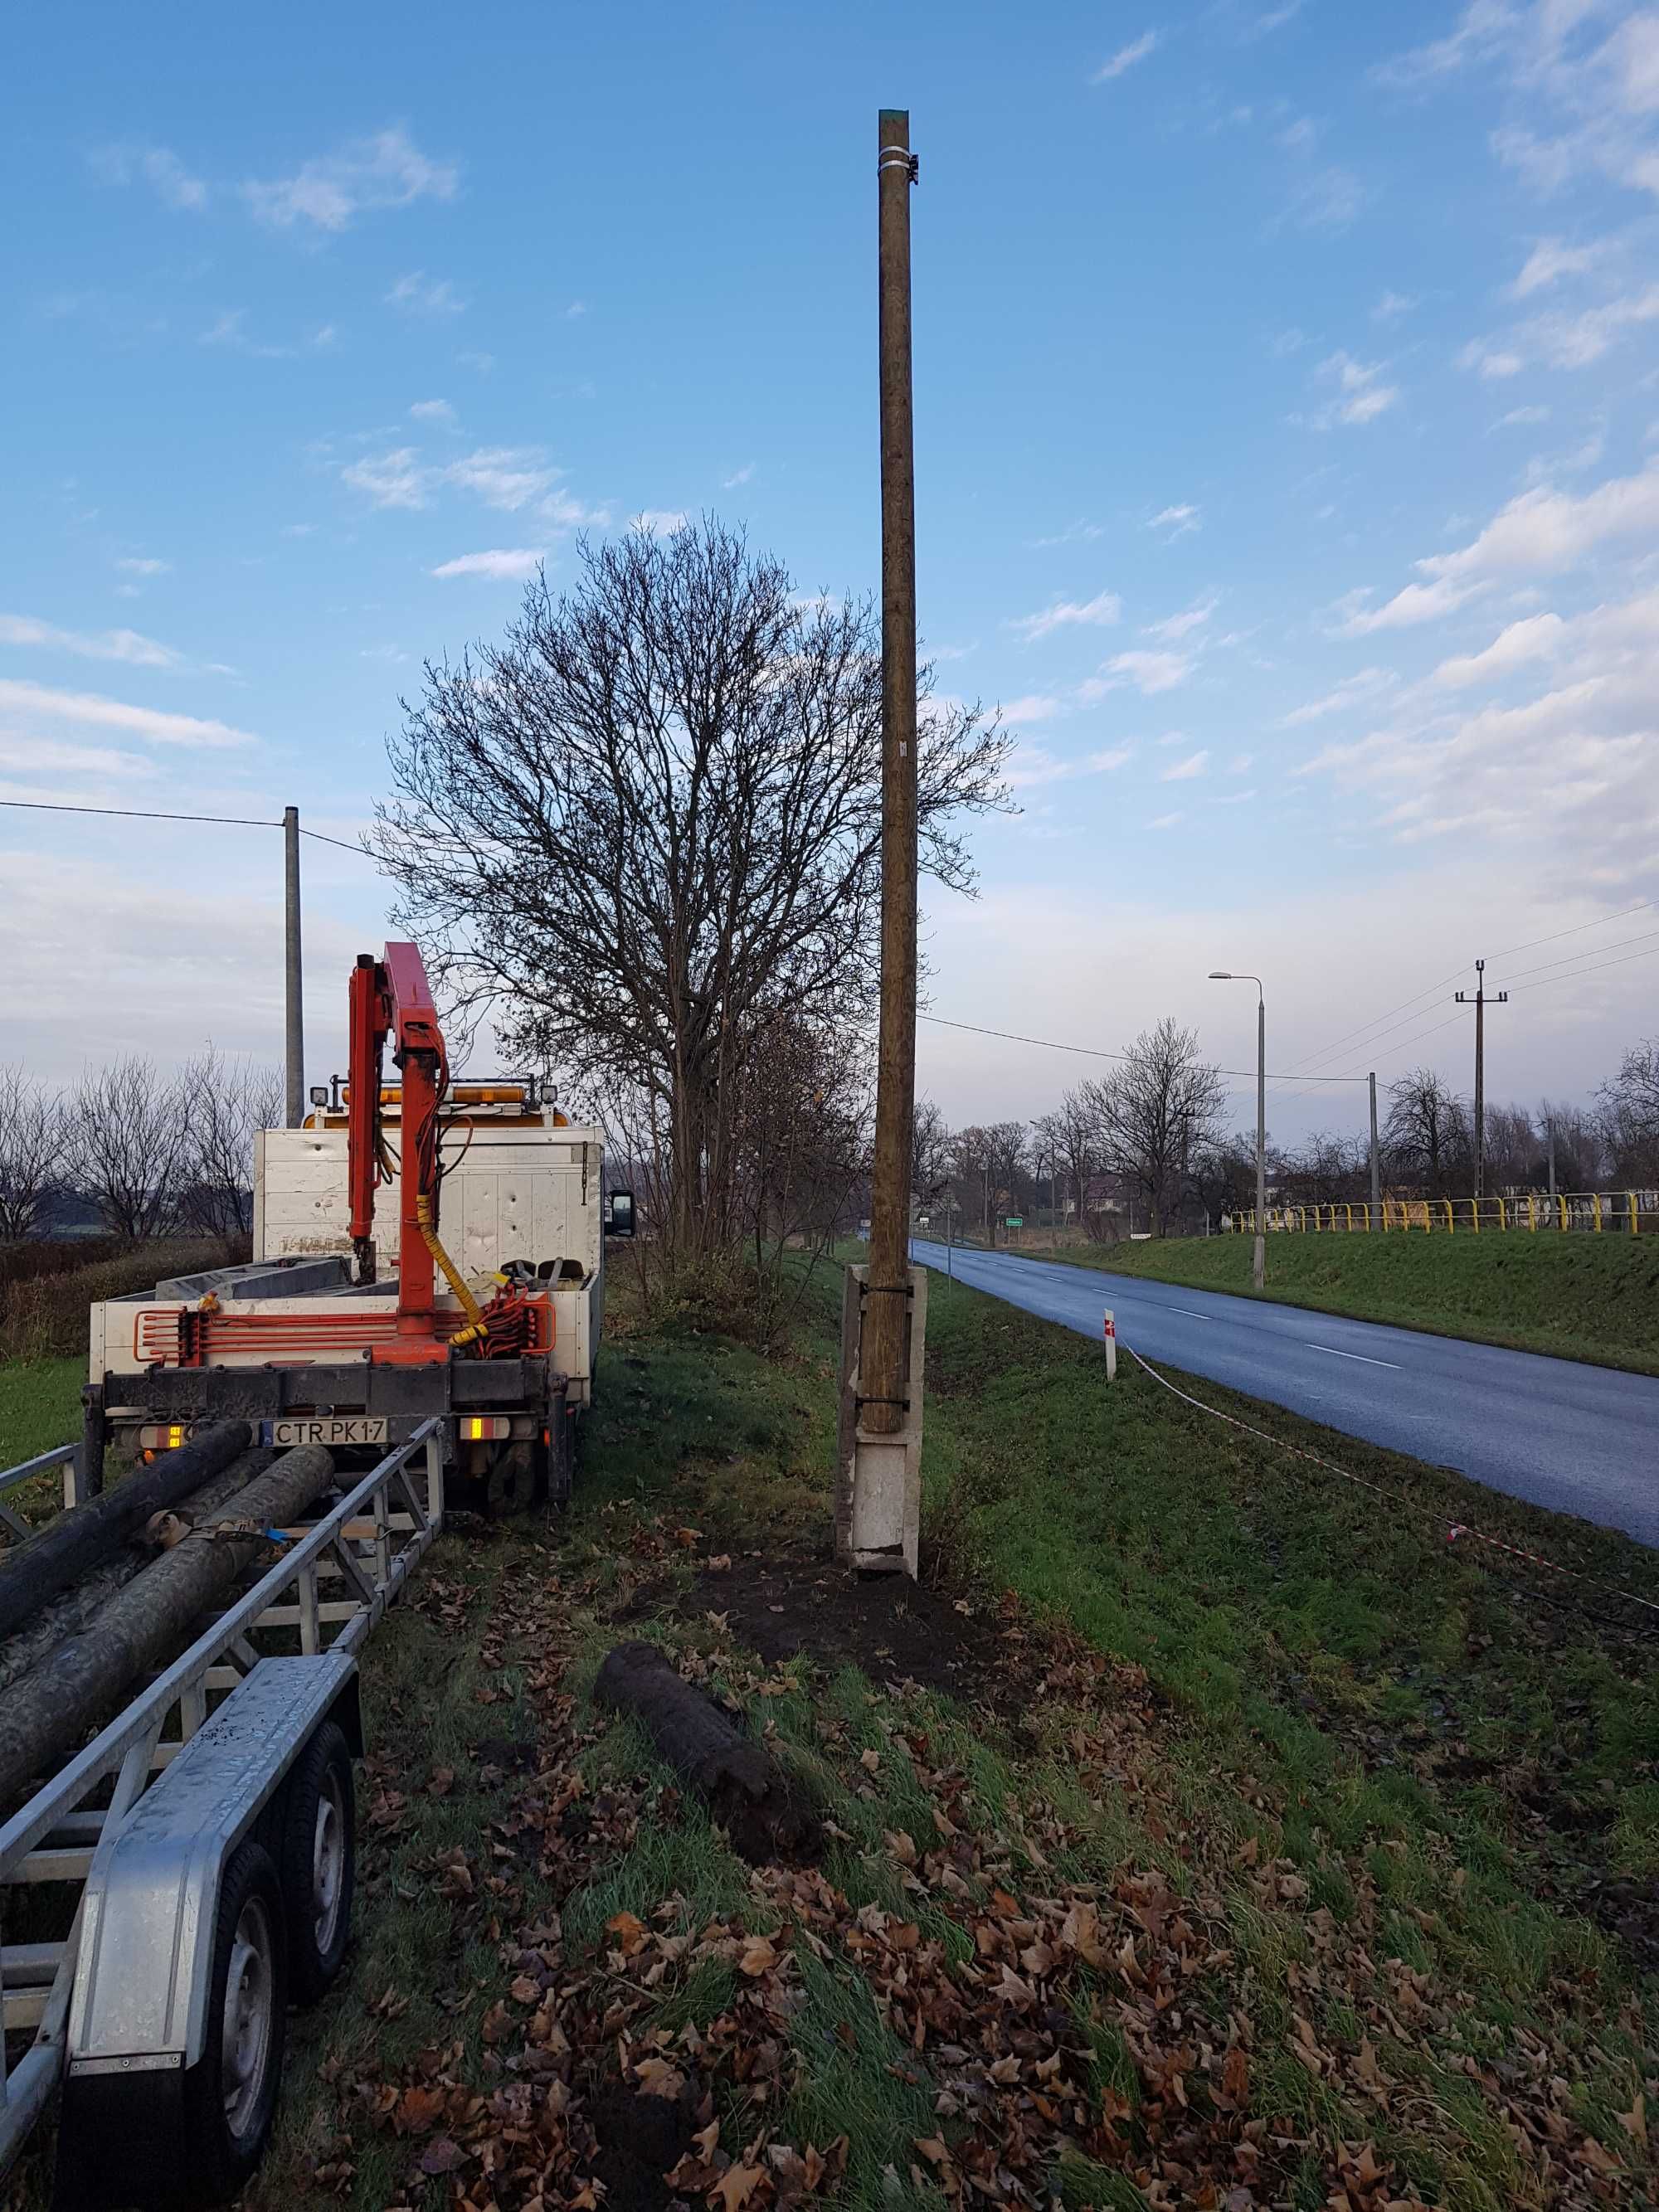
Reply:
x=1248, y=1837
x=1581, y=1297
x=1242, y=1834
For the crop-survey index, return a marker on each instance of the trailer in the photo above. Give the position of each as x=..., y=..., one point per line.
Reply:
x=477, y=1303
x=196, y=1860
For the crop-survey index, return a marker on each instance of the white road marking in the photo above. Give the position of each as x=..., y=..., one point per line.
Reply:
x=1364, y=1357
x=1193, y=1311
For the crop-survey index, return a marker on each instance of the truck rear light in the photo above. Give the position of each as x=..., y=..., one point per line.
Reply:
x=163, y=1436
x=482, y=1428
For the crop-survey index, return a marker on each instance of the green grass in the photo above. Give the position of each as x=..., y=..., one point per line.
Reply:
x=40, y=1405
x=1298, y=1620
x=1581, y=1297
x=1333, y=1697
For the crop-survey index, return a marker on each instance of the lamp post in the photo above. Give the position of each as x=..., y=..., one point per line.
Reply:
x=1259, y=1262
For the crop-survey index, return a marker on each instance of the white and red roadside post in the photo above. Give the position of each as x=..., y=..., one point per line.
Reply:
x=1109, y=1331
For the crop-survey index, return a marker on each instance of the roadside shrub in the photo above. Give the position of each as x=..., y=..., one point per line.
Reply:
x=45, y=1317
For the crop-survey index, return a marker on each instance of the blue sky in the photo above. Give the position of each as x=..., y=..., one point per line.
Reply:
x=1286, y=422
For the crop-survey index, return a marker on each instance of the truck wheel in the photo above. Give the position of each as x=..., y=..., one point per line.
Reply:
x=318, y=1862
x=230, y=2093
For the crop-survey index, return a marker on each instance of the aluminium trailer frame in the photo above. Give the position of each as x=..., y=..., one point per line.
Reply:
x=370, y=1543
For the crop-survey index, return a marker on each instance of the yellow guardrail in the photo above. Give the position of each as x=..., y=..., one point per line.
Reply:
x=1628, y=1212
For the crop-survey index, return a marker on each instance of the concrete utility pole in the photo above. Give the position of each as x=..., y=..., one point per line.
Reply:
x=884, y=1313
x=294, y=1006
x=1480, y=1002
x=1377, y=1162
x=1259, y=1257
x=884, y=1332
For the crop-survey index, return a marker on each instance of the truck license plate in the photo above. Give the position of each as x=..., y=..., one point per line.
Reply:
x=325, y=1429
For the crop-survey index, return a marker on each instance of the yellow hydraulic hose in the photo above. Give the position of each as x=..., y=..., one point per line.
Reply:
x=475, y=1329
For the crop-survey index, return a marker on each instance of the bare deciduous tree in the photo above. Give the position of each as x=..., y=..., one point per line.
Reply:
x=229, y=1101
x=1069, y=1134
x=31, y=1152
x=931, y=1153
x=1157, y=1113
x=1427, y=1134
x=129, y=1144
x=1630, y=1114
x=651, y=817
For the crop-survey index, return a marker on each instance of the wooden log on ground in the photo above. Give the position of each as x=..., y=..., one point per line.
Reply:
x=77, y=1607
x=48, y=1712
x=744, y=1786
x=86, y=1535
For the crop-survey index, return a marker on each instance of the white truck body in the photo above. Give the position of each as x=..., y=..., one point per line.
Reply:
x=510, y=1192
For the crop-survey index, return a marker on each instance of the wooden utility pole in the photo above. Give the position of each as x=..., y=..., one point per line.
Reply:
x=886, y=1325
x=1481, y=1003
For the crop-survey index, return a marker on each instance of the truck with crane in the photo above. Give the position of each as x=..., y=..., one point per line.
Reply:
x=170, y=1883
x=350, y=1329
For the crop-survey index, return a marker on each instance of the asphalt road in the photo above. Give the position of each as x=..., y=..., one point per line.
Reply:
x=1577, y=1438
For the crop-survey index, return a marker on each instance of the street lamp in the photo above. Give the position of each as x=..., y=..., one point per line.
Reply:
x=1258, y=1263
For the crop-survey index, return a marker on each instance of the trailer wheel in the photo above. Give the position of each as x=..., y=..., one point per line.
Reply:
x=318, y=1862
x=230, y=2093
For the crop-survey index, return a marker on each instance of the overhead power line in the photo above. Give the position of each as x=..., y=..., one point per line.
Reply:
x=1095, y=1052
x=157, y=814
x=1577, y=929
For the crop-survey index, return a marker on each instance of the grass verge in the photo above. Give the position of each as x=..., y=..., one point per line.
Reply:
x=1196, y=1832
x=1577, y=1296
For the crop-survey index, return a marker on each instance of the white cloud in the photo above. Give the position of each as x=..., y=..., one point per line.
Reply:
x=1353, y=691
x=1150, y=673
x=100, y=712
x=743, y=476
x=393, y=479
x=1416, y=603
x=1125, y=58
x=1537, y=638
x=37, y=756
x=417, y=294
x=1552, y=259
x=1033, y=707
x=1183, y=771
x=1165, y=821
x=1239, y=763
x=1077, y=533
x=1099, y=612
x=1177, y=520
x=433, y=410
x=508, y=477
x=384, y=171
x=101, y=645
x=157, y=166
x=132, y=565
x=1360, y=394
x=1328, y=200
x=657, y=521
x=1300, y=136
x=500, y=566
x=1563, y=341
x=1540, y=532
x=1490, y=359
x=230, y=329
x=1113, y=757
x=575, y=310
x=1392, y=305
x=1174, y=628
x=1562, y=780
x=1580, y=104
x=1519, y=415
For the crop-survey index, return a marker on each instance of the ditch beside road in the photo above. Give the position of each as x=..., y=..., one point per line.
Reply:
x=1555, y=1432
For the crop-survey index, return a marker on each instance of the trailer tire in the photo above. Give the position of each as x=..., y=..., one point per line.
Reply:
x=317, y=1862
x=230, y=2093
